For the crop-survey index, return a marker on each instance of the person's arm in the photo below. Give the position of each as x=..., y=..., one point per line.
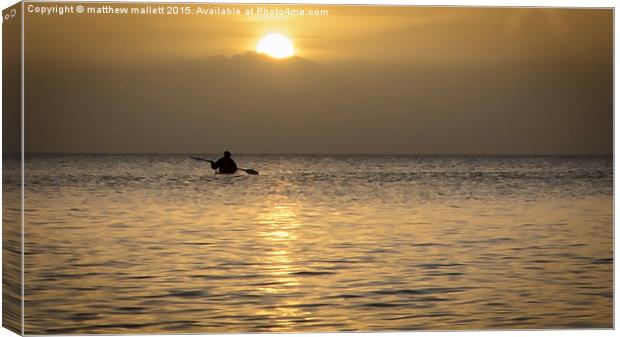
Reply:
x=216, y=164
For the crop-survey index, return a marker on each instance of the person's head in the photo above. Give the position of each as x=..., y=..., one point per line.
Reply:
x=226, y=154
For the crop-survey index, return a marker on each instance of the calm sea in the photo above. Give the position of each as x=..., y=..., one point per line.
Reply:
x=159, y=244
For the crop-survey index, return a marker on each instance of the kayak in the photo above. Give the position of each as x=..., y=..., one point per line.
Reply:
x=248, y=171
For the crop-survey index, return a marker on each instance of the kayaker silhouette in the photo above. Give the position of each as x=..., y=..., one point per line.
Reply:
x=225, y=165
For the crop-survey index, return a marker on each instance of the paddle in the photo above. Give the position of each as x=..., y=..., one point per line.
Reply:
x=203, y=159
x=248, y=171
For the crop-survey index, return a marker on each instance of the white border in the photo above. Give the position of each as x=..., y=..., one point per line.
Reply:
x=484, y=3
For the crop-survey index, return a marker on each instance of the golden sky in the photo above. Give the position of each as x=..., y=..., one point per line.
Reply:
x=403, y=34
x=367, y=79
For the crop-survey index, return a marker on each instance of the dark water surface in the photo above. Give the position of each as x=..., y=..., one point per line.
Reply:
x=157, y=243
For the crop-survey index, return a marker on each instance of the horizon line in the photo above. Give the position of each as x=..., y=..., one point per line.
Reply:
x=319, y=154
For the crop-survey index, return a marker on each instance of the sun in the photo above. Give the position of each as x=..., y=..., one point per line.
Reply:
x=275, y=45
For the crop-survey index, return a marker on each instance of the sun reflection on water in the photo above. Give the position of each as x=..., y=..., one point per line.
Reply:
x=279, y=224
